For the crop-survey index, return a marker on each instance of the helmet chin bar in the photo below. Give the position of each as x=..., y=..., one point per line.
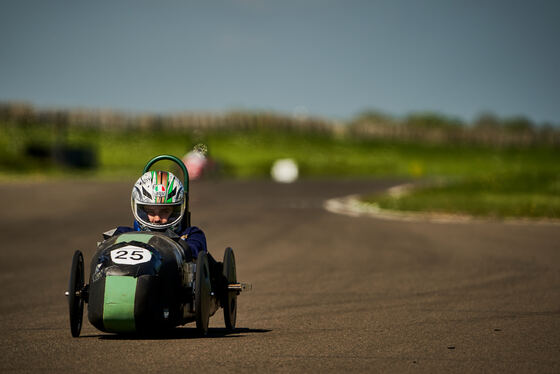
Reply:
x=153, y=227
x=173, y=228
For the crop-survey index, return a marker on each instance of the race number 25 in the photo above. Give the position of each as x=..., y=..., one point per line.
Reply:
x=130, y=255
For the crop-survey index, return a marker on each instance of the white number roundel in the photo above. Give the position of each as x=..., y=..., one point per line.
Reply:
x=130, y=255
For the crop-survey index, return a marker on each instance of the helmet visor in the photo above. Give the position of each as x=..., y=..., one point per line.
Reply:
x=159, y=216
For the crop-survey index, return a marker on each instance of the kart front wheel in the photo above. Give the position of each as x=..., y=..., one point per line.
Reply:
x=75, y=300
x=229, y=298
x=202, y=293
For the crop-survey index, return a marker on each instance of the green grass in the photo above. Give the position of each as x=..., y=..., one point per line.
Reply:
x=246, y=154
x=524, y=194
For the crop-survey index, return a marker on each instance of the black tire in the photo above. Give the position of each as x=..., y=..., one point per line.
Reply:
x=75, y=301
x=229, y=298
x=202, y=293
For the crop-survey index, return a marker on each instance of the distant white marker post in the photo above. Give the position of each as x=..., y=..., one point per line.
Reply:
x=284, y=171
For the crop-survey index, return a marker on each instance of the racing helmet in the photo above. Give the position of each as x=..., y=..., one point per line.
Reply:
x=158, y=201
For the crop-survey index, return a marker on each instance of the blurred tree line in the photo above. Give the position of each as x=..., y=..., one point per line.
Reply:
x=33, y=138
x=430, y=127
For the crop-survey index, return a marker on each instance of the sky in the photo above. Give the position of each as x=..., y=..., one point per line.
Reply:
x=328, y=58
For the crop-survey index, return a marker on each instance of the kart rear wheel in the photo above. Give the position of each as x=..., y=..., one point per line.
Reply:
x=75, y=301
x=229, y=298
x=202, y=293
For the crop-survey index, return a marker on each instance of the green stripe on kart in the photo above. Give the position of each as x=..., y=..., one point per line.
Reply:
x=142, y=238
x=118, y=306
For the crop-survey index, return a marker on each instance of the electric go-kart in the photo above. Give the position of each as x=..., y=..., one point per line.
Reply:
x=143, y=281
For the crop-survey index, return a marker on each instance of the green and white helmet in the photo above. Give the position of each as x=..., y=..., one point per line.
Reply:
x=158, y=201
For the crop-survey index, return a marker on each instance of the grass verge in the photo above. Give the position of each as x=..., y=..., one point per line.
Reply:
x=524, y=194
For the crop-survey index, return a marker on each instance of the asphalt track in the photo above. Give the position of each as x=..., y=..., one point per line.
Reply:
x=330, y=292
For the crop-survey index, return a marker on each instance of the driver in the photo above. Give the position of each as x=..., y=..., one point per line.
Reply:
x=158, y=204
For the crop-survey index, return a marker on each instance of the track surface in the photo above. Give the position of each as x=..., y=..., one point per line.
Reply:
x=330, y=292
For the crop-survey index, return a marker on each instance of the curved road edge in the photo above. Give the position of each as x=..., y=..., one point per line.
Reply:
x=353, y=206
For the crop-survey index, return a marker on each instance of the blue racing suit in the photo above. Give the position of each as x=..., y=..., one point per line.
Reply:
x=195, y=238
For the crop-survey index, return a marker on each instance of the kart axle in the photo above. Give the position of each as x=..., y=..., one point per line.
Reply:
x=239, y=287
x=83, y=293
